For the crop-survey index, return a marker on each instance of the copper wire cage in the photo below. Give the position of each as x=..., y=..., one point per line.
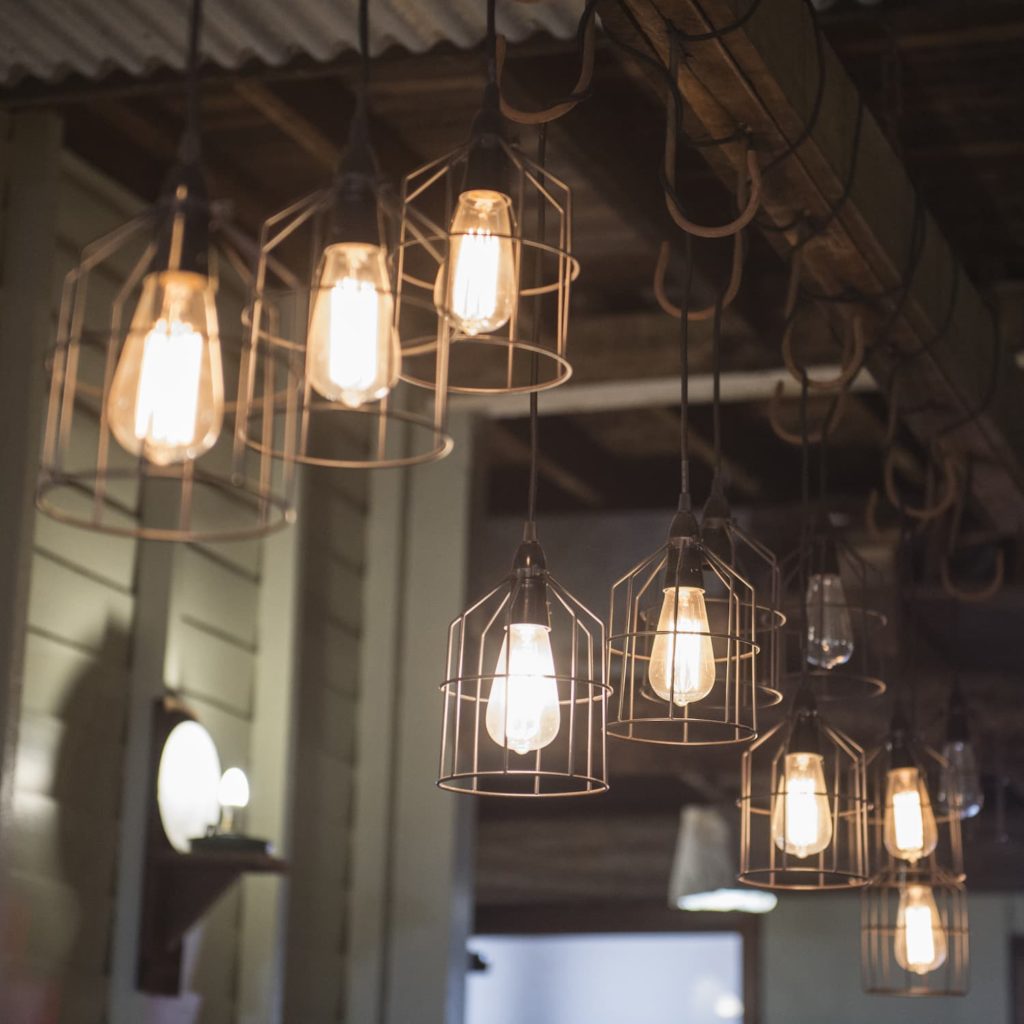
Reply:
x=755, y=561
x=479, y=736
x=764, y=859
x=885, y=940
x=824, y=553
x=728, y=713
x=86, y=478
x=407, y=426
x=527, y=353
x=947, y=857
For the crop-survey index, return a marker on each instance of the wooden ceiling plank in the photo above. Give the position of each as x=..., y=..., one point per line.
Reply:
x=764, y=75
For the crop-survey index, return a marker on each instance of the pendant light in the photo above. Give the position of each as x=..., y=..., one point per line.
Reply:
x=683, y=642
x=339, y=331
x=525, y=689
x=140, y=394
x=915, y=934
x=803, y=796
x=499, y=289
x=832, y=586
x=960, y=789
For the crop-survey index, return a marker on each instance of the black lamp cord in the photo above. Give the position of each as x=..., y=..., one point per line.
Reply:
x=189, y=147
x=716, y=393
x=805, y=509
x=685, y=501
x=491, y=43
x=531, y=506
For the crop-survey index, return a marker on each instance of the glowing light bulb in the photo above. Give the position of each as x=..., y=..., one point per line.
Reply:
x=522, y=710
x=166, y=400
x=920, y=937
x=801, y=818
x=352, y=350
x=481, y=279
x=682, y=667
x=829, y=630
x=233, y=790
x=909, y=828
x=960, y=789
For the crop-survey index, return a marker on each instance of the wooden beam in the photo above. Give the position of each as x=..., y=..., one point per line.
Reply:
x=290, y=121
x=765, y=75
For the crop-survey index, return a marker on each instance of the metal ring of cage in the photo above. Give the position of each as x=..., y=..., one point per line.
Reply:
x=881, y=971
x=404, y=428
x=728, y=713
x=861, y=676
x=948, y=856
x=574, y=761
x=527, y=353
x=86, y=478
x=843, y=864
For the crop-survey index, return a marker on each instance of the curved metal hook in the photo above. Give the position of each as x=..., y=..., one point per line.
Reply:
x=753, y=169
x=854, y=348
x=557, y=110
x=985, y=593
x=928, y=512
x=813, y=436
x=731, y=291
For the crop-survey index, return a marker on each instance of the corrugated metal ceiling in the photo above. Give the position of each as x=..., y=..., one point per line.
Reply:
x=49, y=39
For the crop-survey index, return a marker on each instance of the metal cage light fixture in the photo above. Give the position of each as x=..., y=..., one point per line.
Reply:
x=684, y=625
x=803, y=796
x=486, y=243
x=914, y=926
x=138, y=399
x=915, y=936
x=804, y=806
x=342, y=339
x=525, y=690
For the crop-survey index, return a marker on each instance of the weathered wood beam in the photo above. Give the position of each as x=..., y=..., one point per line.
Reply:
x=765, y=76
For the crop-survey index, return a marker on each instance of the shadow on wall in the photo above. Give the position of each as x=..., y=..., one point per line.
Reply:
x=87, y=787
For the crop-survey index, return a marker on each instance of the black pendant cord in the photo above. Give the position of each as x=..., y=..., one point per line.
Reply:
x=716, y=393
x=189, y=148
x=491, y=42
x=364, y=46
x=685, y=501
x=806, y=553
x=531, y=507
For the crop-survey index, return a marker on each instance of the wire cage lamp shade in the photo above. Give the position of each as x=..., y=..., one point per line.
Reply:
x=915, y=935
x=683, y=645
x=486, y=245
x=803, y=806
x=525, y=691
x=148, y=358
x=341, y=338
x=908, y=829
x=841, y=654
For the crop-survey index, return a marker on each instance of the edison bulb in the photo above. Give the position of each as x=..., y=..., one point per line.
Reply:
x=909, y=828
x=522, y=710
x=682, y=667
x=920, y=937
x=829, y=630
x=960, y=789
x=481, y=275
x=166, y=400
x=352, y=349
x=801, y=817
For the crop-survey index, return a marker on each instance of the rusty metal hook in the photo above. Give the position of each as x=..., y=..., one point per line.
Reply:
x=557, y=110
x=835, y=414
x=985, y=593
x=924, y=513
x=753, y=169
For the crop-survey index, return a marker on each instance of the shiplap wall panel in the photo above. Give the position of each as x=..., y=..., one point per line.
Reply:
x=210, y=668
x=217, y=596
x=69, y=759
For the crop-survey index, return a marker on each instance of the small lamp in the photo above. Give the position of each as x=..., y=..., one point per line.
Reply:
x=233, y=797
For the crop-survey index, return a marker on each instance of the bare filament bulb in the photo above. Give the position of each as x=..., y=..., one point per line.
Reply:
x=921, y=945
x=523, y=712
x=166, y=401
x=481, y=272
x=801, y=817
x=909, y=828
x=353, y=355
x=682, y=667
x=829, y=630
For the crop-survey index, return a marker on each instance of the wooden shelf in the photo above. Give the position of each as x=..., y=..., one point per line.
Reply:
x=179, y=889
